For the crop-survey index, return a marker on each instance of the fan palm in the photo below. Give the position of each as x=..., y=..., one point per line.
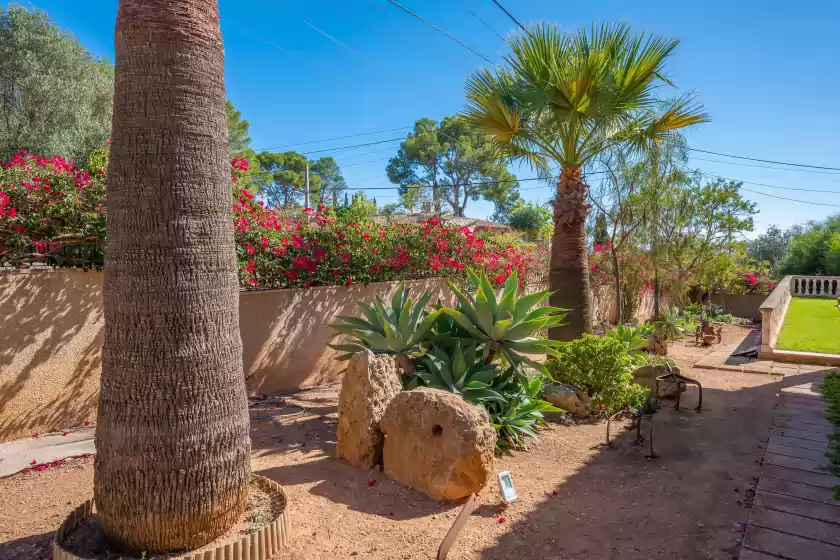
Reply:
x=563, y=99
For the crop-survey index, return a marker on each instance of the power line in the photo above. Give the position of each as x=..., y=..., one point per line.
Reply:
x=334, y=138
x=343, y=148
x=476, y=16
x=764, y=166
x=510, y=15
x=439, y=30
x=713, y=175
x=792, y=199
x=766, y=160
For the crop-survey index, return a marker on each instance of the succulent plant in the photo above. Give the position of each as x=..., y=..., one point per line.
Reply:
x=398, y=329
x=508, y=325
x=461, y=371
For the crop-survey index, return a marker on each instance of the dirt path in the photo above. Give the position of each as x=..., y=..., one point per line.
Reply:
x=576, y=499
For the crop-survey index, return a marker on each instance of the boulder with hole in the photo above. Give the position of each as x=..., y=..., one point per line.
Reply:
x=369, y=384
x=438, y=443
x=569, y=398
x=646, y=377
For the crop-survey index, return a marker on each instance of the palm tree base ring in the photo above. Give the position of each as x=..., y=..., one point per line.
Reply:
x=259, y=545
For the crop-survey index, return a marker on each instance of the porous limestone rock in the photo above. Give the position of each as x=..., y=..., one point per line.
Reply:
x=369, y=384
x=569, y=398
x=438, y=443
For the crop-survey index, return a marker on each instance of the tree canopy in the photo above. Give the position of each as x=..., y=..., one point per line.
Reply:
x=813, y=249
x=282, y=178
x=455, y=163
x=55, y=96
x=332, y=181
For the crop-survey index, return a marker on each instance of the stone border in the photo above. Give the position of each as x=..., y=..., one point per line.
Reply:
x=260, y=545
x=773, y=312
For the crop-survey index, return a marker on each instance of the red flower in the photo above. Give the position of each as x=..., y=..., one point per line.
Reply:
x=433, y=221
x=12, y=213
x=254, y=282
x=249, y=249
x=366, y=236
x=382, y=233
x=34, y=462
x=501, y=519
x=4, y=199
x=297, y=241
x=349, y=281
x=371, y=483
x=319, y=254
x=19, y=229
x=264, y=241
x=86, y=422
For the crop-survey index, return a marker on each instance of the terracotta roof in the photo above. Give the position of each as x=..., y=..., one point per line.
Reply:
x=459, y=221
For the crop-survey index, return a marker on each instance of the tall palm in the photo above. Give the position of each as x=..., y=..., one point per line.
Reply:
x=172, y=440
x=563, y=99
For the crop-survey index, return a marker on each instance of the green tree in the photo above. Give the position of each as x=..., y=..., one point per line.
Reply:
x=534, y=219
x=412, y=195
x=564, y=99
x=332, y=181
x=770, y=246
x=600, y=235
x=360, y=209
x=454, y=160
x=814, y=249
x=238, y=139
x=55, y=97
x=282, y=178
x=698, y=224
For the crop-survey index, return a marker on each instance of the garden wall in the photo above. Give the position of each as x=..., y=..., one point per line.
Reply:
x=51, y=336
x=738, y=305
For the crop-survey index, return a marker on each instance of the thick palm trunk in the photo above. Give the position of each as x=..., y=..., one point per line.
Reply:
x=172, y=440
x=569, y=270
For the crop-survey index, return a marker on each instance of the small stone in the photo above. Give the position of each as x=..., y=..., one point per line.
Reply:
x=569, y=398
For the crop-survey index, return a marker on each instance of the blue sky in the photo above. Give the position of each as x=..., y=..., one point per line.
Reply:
x=766, y=71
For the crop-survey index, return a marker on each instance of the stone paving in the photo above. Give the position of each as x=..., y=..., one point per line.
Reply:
x=794, y=514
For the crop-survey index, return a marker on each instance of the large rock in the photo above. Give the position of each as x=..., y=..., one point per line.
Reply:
x=369, y=384
x=646, y=377
x=438, y=443
x=569, y=398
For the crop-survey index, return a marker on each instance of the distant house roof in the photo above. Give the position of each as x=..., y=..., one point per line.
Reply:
x=458, y=221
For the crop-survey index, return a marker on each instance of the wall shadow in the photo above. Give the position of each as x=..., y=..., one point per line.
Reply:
x=50, y=344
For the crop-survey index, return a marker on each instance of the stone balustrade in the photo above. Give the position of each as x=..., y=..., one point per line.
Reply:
x=773, y=312
x=815, y=286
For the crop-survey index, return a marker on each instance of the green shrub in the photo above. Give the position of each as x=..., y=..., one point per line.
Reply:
x=601, y=367
x=649, y=359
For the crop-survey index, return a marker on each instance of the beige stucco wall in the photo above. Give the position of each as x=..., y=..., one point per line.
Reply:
x=51, y=335
x=50, y=340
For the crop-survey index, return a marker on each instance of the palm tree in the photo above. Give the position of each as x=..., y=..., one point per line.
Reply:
x=563, y=99
x=172, y=463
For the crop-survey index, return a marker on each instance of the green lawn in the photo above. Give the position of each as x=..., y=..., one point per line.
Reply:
x=811, y=325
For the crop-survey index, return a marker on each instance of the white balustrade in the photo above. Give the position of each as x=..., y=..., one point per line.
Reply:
x=815, y=286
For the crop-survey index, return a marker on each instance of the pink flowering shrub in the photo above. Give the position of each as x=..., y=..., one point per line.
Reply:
x=53, y=212
x=281, y=250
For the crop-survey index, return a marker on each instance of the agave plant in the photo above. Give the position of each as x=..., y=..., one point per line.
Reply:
x=520, y=413
x=671, y=326
x=507, y=325
x=398, y=329
x=634, y=338
x=463, y=372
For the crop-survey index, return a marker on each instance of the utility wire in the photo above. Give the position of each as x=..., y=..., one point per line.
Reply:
x=476, y=16
x=764, y=166
x=766, y=160
x=439, y=30
x=343, y=148
x=334, y=138
x=792, y=199
x=715, y=175
x=510, y=15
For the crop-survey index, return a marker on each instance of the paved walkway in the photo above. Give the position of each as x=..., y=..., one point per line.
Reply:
x=18, y=455
x=795, y=516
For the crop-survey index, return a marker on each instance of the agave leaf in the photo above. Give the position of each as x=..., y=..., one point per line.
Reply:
x=459, y=366
x=424, y=327
x=473, y=278
x=484, y=312
x=505, y=310
x=489, y=294
x=485, y=375
x=357, y=322
x=404, y=324
x=466, y=305
x=500, y=329
x=523, y=304
x=484, y=394
x=348, y=347
x=525, y=329
x=464, y=322
x=512, y=283
x=373, y=339
x=469, y=354
x=544, y=311
x=344, y=357
x=371, y=314
x=419, y=307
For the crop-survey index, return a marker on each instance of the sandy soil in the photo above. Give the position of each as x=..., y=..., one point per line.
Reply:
x=576, y=498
